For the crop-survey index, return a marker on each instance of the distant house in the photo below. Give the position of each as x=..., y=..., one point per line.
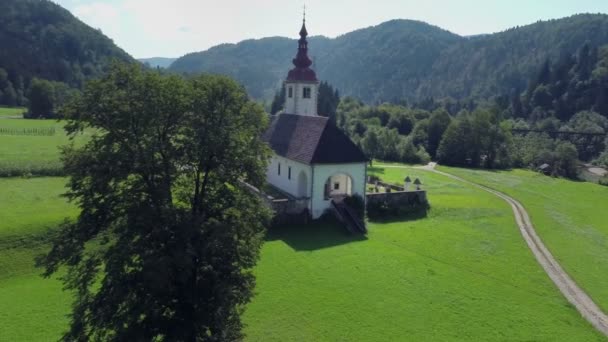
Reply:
x=313, y=159
x=545, y=169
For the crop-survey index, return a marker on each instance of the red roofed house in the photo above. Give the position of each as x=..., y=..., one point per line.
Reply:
x=313, y=159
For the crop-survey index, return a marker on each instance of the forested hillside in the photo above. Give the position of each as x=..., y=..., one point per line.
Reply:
x=375, y=64
x=561, y=118
x=160, y=62
x=408, y=60
x=501, y=63
x=260, y=65
x=40, y=39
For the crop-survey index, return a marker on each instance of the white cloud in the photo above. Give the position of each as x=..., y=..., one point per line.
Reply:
x=147, y=28
x=98, y=14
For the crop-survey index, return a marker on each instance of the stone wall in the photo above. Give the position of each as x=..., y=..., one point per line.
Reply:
x=384, y=205
x=398, y=197
x=286, y=210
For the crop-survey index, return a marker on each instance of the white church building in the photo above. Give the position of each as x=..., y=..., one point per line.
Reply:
x=313, y=159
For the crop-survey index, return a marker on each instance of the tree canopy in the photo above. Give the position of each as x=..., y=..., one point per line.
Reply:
x=167, y=236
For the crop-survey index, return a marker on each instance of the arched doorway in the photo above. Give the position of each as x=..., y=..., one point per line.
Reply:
x=338, y=185
x=302, y=185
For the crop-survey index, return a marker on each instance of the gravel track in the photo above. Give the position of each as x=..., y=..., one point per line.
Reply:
x=567, y=286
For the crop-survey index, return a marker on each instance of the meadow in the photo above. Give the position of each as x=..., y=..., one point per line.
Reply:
x=570, y=217
x=462, y=273
x=6, y=112
x=32, y=308
x=23, y=153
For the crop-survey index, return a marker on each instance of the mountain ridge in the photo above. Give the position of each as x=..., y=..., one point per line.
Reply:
x=406, y=59
x=41, y=39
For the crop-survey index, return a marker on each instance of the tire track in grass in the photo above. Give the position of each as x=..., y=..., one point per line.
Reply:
x=567, y=286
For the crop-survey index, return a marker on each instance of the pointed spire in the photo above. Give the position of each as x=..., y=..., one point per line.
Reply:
x=303, y=31
x=302, y=62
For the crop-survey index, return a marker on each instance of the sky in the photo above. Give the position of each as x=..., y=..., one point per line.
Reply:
x=172, y=28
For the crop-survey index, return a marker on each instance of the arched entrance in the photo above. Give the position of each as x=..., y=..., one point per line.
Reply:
x=302, y=185
x=338, y=185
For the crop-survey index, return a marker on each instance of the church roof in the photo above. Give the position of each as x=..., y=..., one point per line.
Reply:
x=311, y=140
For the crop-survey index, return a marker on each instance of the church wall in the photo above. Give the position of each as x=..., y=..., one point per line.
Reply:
x=322, y=172
x=282, y=181
x=298, y=104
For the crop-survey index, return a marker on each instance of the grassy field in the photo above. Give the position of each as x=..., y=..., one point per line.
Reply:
x=6, y=112
x=463, y=273
x=30, y=154
x=570, y=217
x=32, y=308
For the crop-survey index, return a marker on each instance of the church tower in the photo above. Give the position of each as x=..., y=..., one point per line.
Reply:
x=302, y=86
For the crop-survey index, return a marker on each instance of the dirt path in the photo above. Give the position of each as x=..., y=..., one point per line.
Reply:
x=573, y=293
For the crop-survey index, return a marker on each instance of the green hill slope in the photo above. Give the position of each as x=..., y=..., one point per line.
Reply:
x=403, y=59
x=41, y=39
x=375, y=63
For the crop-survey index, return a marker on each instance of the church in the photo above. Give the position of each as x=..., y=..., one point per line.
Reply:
x=313, y=160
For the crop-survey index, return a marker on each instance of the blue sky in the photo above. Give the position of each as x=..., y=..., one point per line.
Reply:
x=148, y=28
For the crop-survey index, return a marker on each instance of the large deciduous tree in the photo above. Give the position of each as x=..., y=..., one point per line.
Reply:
x=167, y=236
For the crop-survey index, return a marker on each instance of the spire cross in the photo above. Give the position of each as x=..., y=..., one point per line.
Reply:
x=304, y=12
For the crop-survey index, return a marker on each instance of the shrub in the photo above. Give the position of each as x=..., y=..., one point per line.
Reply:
x=423, y=156
x=41, y=169
x=602, y=160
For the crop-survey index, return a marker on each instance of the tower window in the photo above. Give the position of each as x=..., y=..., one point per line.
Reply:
x=279, y=170
x=306, y=93
x=289, y=172
x=290, y=92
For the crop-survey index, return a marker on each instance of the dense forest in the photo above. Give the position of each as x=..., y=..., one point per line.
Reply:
x=366, y=63
x=41, y=40
x=559, y=119
x=407, y=60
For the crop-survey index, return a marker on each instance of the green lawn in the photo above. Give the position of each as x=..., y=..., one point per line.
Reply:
x=6, y=112
x=25, y=154
x=32, y=308
x=570, y=217
x=463, y=273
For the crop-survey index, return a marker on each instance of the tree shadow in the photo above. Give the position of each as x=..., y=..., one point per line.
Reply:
x=314, y=236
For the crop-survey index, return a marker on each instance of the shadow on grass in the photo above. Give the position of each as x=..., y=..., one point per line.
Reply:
x=419, y=215
x=313, y=236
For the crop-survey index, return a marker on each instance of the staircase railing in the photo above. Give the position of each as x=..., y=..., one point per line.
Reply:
x=349, y=218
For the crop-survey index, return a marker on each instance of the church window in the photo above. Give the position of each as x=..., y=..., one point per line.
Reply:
x=290, y=92
x=336, y=186
x=279, y=169
x=306, y=93
x=289, y=172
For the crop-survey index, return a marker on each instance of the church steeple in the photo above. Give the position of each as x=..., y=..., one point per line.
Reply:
x=302, y=84
x=302, y=62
